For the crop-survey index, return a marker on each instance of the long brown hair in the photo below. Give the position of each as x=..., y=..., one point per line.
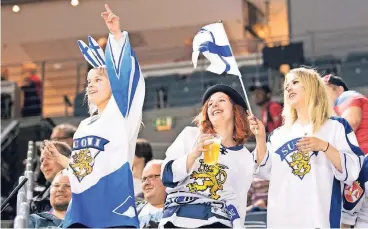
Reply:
x=241, y=125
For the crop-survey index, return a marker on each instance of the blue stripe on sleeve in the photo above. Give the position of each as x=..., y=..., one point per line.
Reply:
x=119, y=76
x=348, y=130
x=335, y=206
x=168, y=176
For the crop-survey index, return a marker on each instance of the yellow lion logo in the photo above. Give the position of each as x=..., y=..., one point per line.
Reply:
x=82, y=163
x=300, y=163
x=213, y=177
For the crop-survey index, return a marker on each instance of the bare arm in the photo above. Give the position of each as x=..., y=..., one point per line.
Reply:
x=354, y=116
x=334, y=156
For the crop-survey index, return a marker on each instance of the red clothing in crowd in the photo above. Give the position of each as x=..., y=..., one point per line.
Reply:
x=350, y=99
x=271, y=116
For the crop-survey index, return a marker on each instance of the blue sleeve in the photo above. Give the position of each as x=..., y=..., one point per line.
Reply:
x=124, y=72
x=168, y=176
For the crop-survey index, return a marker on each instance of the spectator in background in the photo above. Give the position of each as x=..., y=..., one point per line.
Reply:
x=49, y=168
x=143, y=154
x=60, y=196
x=350, y=105
x=64, y=133
x=150, y=210
x=6, y=99
x=271, y=110
x=4, y=74
x=161, y=95
x=257, y=195
x=31, y=88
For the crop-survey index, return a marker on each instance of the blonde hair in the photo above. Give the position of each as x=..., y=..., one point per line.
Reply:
x=92, y=108
x=316, y=98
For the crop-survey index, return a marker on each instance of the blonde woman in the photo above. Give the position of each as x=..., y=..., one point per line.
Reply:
x=309, y=158
x=103, y=145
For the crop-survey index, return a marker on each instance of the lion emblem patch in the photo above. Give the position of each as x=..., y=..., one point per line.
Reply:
x=212, y=178
x=82, y=163
x=298, y=161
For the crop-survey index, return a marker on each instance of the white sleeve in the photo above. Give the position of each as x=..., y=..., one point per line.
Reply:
x=132, y=79
x=350, y=154
x=174, y=169
x=263, y=170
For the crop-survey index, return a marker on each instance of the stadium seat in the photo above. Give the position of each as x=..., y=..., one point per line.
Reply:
x=256, y=217
x=255, y=224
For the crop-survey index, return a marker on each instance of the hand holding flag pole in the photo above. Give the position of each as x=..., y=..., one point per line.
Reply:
x=213, y=43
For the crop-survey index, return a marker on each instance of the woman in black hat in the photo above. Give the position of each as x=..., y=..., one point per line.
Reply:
x=211, y=194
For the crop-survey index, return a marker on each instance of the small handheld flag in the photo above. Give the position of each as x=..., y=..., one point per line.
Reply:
x=213, y=43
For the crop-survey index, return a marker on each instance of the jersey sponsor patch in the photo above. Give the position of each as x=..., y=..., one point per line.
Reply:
x=354, y=192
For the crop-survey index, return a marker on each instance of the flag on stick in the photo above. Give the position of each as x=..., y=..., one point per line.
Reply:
x=213, y=43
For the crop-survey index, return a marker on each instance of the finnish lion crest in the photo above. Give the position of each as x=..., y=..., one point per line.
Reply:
x=212, y=176
x=300, y=163
x=82, y=163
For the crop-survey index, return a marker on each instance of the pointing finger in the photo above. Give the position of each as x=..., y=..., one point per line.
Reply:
x=107, y=8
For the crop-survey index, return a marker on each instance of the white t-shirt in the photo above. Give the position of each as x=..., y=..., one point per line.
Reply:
x=305, y=188
x=137, y=186
x=150, y=216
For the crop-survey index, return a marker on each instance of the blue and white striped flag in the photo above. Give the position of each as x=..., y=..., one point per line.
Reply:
x=213, y=43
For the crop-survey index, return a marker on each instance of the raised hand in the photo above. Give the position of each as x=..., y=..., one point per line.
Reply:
x=112, y=21
x=204, y=139
x=51, y=152
x=256, y=126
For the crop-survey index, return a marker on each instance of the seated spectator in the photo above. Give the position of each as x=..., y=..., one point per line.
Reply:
x=63, y=133
x=60, y=196
x=31, y=88
x=151, y=209
x=143, y=154
x=49, y=169
x=257, y=195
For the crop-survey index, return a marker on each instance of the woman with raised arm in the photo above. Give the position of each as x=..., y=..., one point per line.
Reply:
x=309, y=158
x=103, y=150
x=208, y=170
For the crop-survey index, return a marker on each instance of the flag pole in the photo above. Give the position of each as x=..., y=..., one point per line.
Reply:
x=240, y=77
x=245, y=94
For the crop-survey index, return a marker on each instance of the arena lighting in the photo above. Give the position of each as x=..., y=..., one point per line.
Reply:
x=74, y=2
x=15, y=8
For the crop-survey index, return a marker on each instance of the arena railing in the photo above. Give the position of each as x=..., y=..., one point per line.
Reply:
x=25, y=194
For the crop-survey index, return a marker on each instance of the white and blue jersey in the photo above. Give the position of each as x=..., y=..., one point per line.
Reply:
x=305, y=187
x=208, y=194
x=104, y=145
x=355, y=207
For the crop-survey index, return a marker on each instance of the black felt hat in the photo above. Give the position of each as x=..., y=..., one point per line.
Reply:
x=231, y=92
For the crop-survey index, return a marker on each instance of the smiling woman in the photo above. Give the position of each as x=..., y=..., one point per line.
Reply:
x=311, y=156
x=210, y=193
x=98, y=90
